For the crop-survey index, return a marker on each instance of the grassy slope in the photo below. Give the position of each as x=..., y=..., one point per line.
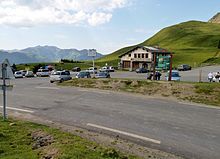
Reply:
x=192, y=42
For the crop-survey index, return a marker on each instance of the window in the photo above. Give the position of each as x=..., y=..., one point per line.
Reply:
x=146, y=56
x=142, y=55
x=129, y=55
x=139, y=55
x=135, y=55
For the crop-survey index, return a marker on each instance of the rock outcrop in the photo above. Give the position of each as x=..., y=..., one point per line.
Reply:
x=215, y=19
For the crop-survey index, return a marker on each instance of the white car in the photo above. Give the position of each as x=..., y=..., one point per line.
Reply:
x=175, y=76
x=18, y=74
x=29, y=74
x=60, y=76
x=43, y=73
x=107, y=69
x=91, y=70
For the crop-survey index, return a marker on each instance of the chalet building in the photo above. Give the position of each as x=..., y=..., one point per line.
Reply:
x=144, y=56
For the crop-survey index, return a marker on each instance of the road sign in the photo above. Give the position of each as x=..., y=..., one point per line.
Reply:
x=9, y=73
x=92, y=52
x=5, y=73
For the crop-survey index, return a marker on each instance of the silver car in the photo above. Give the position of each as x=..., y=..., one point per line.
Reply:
x=60, y=76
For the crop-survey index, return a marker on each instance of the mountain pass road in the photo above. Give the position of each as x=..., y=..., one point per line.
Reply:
x=184, y=129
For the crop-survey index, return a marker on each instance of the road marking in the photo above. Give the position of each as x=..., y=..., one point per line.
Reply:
x=17, y=109
x=94, y=91
x=124, y=133
x=199, y=105
x=54, y=88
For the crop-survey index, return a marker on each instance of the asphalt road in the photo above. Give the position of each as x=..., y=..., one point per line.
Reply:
x=184, y=129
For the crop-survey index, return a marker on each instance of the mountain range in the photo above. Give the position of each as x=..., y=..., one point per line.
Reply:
x=44, y=54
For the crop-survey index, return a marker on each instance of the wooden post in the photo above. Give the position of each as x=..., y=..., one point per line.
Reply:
x=170, y=73
x=154, y=68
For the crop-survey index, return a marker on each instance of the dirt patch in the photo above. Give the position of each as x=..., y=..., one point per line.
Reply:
x=41, y=139
x=42, y=142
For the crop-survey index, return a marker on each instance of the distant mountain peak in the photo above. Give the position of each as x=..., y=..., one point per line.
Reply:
x=215, y=19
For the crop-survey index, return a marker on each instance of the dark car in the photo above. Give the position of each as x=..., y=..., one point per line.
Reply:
x=184, y=67
x=83, y=74
x=76, y=69
x=142, y=70
x=103, y=75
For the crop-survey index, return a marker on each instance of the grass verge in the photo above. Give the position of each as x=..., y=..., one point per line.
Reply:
x=206, y=93
x=25, y=140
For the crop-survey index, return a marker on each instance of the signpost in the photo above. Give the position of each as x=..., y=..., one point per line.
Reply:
x=92, y=53
x=5, y=73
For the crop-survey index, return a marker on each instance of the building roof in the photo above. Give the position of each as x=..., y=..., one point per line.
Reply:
x=149, y=49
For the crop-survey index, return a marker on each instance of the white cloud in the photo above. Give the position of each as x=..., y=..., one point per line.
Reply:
x=28, y=13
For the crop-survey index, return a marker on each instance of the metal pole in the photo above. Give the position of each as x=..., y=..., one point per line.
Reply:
x=93, y=66
x=4, y=66
x=200, y=75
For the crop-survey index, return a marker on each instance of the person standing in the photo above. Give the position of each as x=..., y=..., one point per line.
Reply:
x=218, y=76
x=210, y=76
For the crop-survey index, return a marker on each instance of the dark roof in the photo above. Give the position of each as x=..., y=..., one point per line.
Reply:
x=149, y=49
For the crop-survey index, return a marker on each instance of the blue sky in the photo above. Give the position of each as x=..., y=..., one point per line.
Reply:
x=105, y=25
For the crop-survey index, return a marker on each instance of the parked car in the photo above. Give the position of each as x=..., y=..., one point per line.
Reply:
x=184, y=67
x=83, y=74
x=43, y=73
x=104, y=69
x=76, y=69
x=60, y=76
x=18, y=74
x=174, y=76
x=107, y=69
x=91, y=70
x=142, y=70
x=103, y=75
x=29, y=74
x=23, y=72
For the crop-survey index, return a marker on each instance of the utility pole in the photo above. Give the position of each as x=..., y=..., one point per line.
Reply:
x=171, y=63
x=93, y=64
x=4, y=71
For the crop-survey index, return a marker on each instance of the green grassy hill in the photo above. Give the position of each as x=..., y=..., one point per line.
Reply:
x=192, y=42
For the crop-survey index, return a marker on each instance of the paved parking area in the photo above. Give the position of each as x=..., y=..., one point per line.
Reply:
x=188, y=76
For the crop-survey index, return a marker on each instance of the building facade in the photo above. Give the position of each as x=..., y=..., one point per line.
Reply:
x=143, y=56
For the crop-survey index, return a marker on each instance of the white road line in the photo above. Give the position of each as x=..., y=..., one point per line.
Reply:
x=92, y=91
x=54, y=88
x=200, y=105
x=17, y=109
x=125, y=133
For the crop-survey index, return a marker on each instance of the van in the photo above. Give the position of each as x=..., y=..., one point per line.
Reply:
x=43, y=73
x=60, y=76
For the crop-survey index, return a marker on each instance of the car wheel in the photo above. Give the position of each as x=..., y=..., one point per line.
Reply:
x=51, y=81
x=61, y=80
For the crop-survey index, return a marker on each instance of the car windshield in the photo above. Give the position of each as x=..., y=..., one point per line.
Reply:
x=56, y=73
x=175, y=74
x=45, y=70
x=102, y=74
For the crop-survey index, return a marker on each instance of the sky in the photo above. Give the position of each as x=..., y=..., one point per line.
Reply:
x=104, y=25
